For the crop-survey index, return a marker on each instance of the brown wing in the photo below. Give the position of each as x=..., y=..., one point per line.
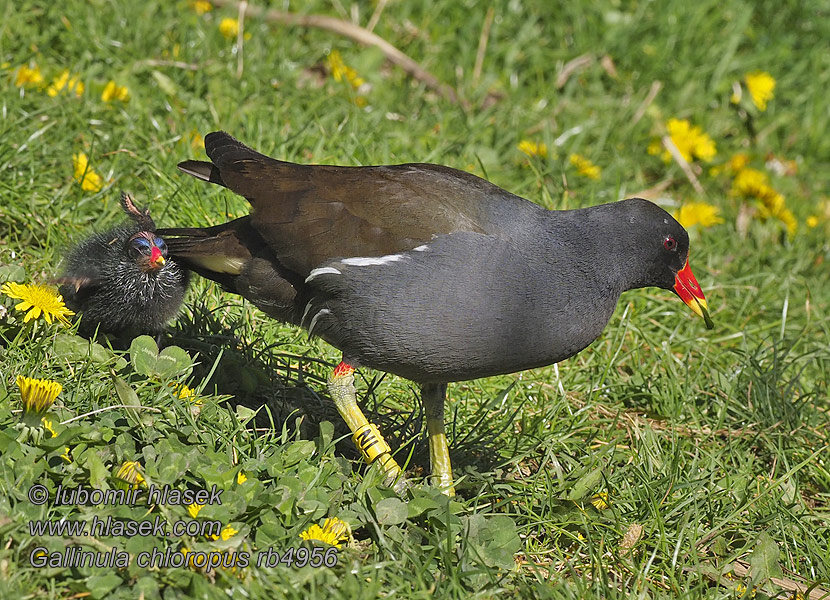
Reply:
x=308, y=214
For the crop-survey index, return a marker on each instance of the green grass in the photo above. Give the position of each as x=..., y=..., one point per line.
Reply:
x=715, y=443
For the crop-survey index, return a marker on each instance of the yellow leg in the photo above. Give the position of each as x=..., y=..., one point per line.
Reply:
x=365, y=435
x=439, y=454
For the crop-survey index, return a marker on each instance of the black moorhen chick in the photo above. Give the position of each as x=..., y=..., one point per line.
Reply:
x=121, y=281
x=427, y=272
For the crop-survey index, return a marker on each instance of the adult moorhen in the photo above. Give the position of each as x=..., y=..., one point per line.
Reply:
x=427, y=272
x=120, y=281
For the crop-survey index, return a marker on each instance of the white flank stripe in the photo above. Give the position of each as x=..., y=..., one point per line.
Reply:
x=311, y=325
x=371, y=261
x=305, y=312
x=322, y=271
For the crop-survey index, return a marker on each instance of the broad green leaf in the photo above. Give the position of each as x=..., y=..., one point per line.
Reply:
x=173, y=361
x=763, y=561
x=391, y=511
x=144, y=355
x=326, y=435
x=585, y=485
x=98, y=473
x=78, y=348
x=419, y=505
x=496, y=539
x=101, y=585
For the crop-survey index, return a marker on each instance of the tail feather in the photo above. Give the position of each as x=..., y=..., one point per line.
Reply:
x=202, y=170
x=221, y=146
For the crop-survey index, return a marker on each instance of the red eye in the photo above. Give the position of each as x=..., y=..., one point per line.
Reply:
x=670, y=243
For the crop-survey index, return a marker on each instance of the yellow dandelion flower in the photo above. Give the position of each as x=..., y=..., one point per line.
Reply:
x=241, y=478
x=129, y=475
x=229, y=28
x=66, y=83
x=584, y=166
x=37, y=300
x=38, y=395
x=761, y=86
x=734, y=165
x=738, y=162
x=90, y=180
x=683, y=136
x=600, y=501
x=113, y=91
x=341, y=71
x=332, y=532
x=539, y=149
x=690, y=140
x=786, y=216
x=190, y=559
x=698, y=213
x=193, y=509
x=47, y=425
x=703, y=146
x=655, y=147
x=201, y=6
x=336, y=65
x=812, y=221
x=29, y=77
x=197, y=142
x=186, y=393
x=750, y=183
x=227, y=533
x=754, y=185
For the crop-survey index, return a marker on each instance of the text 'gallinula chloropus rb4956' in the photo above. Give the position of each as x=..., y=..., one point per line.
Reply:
x=427, y=272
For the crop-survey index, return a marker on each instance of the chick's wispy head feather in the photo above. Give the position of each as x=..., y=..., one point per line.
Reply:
x=121, y=281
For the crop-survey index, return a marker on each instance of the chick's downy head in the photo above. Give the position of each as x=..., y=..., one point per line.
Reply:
x=121, y=281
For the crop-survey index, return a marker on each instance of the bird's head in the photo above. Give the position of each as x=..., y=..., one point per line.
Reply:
x=662, y=249
x=148, y=251
x=144, y=247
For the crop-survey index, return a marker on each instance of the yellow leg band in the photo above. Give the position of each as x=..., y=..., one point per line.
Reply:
x=370, y=442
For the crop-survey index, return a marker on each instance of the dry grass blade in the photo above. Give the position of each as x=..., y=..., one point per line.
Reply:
x=652, y=94
x=482, y=43
x=571, y=67
x=684, y=164
x=373, y=20
x=240, y=40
